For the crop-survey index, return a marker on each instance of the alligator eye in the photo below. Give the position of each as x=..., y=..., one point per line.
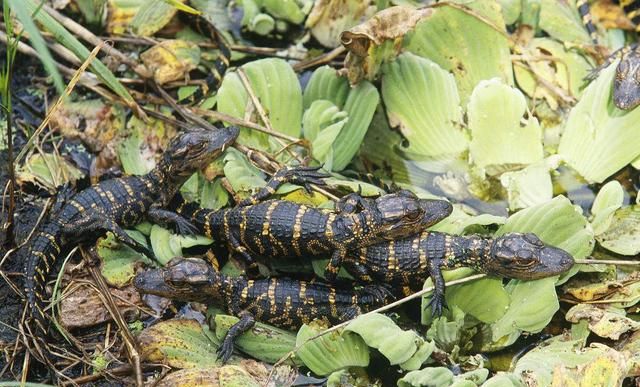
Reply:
x=533, y=239
x=524, y=254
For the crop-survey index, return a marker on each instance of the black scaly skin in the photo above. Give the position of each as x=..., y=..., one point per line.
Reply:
x=282, y=302
x=410, y=261
x=631, y=8
x=221, y=63
x=284, y=229
x=112, y=205
x=585, y=14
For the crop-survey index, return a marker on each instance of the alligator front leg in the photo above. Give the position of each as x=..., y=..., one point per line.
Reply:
x=247, y=321
x=437, y=302
x=352, y=203
x=170, y=219
x=94, y=223
x=304, y=176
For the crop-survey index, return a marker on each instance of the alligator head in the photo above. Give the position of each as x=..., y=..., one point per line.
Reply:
x=525, y=256
x=193, y=150
x=626, y=85
x=183, y=279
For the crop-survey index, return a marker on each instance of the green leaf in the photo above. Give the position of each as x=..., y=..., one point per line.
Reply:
x=510, y=10
x=67, y=39
x=179, y=343
x=485, y=299
x=322, y=123
x=623, y=235
x=428, y=377
x=432, y=121
x=463, y=43
x=326, y=84
x=346, y=349
x=242, y=175
x=609, y=199
x=278, y=90
x=263, y=342
x=529, y=186
x=557, y=223
x=599, y=139
x=24, y=11
x=560, y=19
x=130, y=149
x=344, y=136
x=360, y=105
x=503, y=379
x=119, y=260
x=380, y=332
x=499, y=133
x=167, y=245
x=533, y=303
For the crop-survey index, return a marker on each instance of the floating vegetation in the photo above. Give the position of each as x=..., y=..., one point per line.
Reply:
x=502, y=109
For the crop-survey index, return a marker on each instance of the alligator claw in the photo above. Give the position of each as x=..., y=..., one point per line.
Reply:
x=225, y=350
x=305, y=176
x=437, y=304
x=184, y=227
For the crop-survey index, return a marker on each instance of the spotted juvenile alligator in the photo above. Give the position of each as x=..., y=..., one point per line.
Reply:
x=410, y=261
x=282, y=302
x=284, y=229
x=114, y=204
x=626, y=84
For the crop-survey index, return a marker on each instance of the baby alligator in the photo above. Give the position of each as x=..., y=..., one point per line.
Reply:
x=117, y=203
x=626, y=84
x=282, y=302
x=410, y=261
x=284, y=229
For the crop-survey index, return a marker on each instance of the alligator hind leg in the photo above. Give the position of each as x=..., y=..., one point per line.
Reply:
x=65, y=192
x=247, y=321
x=94, y=223
x=304, y=176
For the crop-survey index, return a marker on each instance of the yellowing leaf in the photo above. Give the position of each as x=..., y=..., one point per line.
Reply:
x=178, y=343
x=170, y=60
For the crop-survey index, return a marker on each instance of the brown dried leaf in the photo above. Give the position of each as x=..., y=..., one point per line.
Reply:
x=329, y=18
x=389, y=24
x=83, y=307
x=607, y=369
x=378, y=40
x=604, y=322
x=170, y=60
